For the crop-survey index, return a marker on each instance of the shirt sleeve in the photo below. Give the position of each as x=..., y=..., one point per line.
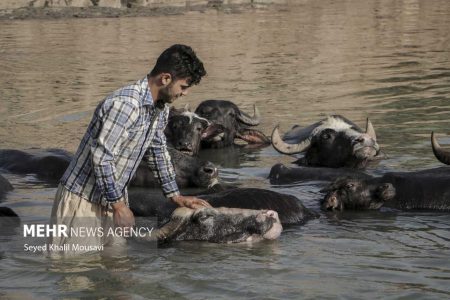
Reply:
x=159, y=161
x=114, y=120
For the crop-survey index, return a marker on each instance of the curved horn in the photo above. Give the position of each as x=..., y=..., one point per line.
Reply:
x=370, y=130
x=442, y=155
x=247, y=120
x=286, y=148
x=171, y=227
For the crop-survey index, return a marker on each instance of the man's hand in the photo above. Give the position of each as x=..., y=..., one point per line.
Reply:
x=122, y=215
x=190, y=202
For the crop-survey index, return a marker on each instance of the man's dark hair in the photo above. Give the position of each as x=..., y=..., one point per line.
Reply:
x=180, y=62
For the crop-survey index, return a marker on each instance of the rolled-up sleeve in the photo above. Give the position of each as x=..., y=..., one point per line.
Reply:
x=113, y=122
x=159, y=161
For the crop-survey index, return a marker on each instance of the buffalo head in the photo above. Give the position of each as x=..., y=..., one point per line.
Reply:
x=190, y=172
x=333, y=142
x=234, y=122
x=185, y=130
x=220, y=225
x=357, y=194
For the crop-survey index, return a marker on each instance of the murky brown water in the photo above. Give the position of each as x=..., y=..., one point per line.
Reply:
x=389, y=60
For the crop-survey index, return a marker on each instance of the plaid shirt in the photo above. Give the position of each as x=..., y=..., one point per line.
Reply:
x=126, y=128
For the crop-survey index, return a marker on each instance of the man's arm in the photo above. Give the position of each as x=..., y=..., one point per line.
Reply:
x=114, y=121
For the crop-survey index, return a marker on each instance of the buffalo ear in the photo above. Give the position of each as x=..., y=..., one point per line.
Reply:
x=211, y=131
x=253, y=136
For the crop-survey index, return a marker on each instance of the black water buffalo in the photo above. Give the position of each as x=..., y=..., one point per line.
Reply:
x=51, y=164
x=423, y=190
x=289, y=208
x=219, y=225
x=5, y=186
x=281, y=174
x=48, y=164
x=234, y=122
x=333, y=142
x=185, y=130
x=420, y=190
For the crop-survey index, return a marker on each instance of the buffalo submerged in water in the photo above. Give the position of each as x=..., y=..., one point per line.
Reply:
x=235, y=124
x=219, y=225
x=331, y=148
x=420, y=190
x=50, y=165
x=186, y=130
x=333, y=142
x=289, y=208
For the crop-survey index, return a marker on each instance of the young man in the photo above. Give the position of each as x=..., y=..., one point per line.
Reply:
x=126, y=127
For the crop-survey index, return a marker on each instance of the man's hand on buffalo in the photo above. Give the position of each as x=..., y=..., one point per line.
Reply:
x=190, y=201
x=122, y=215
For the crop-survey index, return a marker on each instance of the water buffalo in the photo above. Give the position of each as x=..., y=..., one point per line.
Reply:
x=420, y=190
x=234, y=122
x=185, y=130
x=219, y=225
x=50, y=165
x=290, y=209
x=5, y=186
x=281, y=174
x=333, y=142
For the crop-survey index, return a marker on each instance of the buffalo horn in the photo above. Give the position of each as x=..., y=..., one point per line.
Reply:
x=370, y=130
x=247, y=120
x=169, y=229
x=442, y=155
x=286, y=148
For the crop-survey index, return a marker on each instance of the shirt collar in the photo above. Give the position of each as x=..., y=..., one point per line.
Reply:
x=147, y=98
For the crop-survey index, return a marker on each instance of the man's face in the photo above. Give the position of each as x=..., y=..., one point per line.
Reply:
x=174, y=90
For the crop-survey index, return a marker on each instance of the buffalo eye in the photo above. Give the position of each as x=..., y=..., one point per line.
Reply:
x=203, y=218
x=349, y=186
x=199, y=129
x=326, y=136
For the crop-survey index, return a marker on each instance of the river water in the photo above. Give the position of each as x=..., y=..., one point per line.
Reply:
x=384, y=59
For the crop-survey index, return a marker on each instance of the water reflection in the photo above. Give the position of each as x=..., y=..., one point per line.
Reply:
x=388, y=60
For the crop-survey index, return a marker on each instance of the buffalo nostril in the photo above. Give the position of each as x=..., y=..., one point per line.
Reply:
x=272, y=214
x=183, y=144
x=209, y=170
x=331, y=203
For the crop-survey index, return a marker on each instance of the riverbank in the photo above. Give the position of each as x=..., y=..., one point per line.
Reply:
x=123, y=8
